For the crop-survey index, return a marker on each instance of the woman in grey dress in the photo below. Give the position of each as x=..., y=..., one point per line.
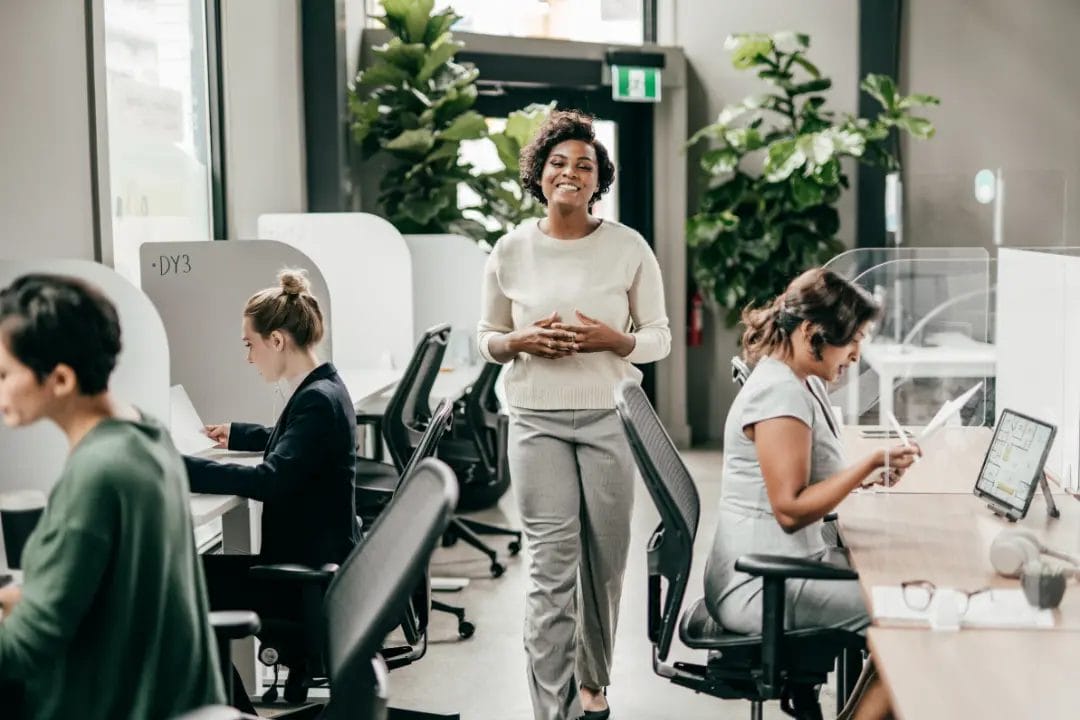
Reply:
x=784, y=466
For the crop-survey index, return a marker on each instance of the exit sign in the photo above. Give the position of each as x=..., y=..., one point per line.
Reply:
x=635, y=84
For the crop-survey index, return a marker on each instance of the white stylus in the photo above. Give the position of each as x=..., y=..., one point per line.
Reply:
x=900, y=431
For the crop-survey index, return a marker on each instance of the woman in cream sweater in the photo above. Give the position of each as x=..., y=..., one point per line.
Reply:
x=572, y=302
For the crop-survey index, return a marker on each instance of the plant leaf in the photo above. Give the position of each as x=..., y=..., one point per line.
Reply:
x=782, y=160
x=748, y=49
x=439, y=24
x=917, y=126
x=811, y=86
x=720, y=160
x=441, y=51
x=409, y=57
x=467, y=126
x=417, y=141
x=806, y=65
x=380, y=75
x=805, y=192
x=916, y=100
x=881, y=88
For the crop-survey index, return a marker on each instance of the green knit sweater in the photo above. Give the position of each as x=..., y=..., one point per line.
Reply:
x=113, y=618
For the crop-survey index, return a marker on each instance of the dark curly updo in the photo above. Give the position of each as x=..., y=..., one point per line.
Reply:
x=561, y=126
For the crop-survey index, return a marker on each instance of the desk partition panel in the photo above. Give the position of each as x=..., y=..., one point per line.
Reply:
x=448, y=271
x=367, y=268
x=200, y=289
x=34, y=456
x=1038, y=331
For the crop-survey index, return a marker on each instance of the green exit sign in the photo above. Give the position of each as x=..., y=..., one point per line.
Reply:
x=635, y=84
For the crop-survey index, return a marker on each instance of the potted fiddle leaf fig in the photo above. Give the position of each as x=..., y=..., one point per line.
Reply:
x=414, y=105
x=773, y=171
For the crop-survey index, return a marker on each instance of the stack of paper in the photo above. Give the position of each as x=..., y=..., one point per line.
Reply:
x=184, y=424
x=998, y=608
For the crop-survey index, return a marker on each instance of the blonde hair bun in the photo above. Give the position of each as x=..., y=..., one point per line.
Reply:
x=294, y=281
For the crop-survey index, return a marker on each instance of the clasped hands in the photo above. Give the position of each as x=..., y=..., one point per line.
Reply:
x=551, y=338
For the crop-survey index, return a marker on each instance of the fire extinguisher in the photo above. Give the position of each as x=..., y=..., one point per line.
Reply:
x=696, y=326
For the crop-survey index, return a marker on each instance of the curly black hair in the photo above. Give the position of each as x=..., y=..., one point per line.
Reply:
x=561, y=126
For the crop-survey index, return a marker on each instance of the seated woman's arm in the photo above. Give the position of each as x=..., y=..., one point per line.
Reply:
x=287, y=467
x=248, y=437
x=784, y=446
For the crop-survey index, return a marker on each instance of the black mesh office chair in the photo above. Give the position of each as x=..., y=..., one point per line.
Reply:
x=370, y=592
x=403, y=423
x=477, y=451
x=776, y=664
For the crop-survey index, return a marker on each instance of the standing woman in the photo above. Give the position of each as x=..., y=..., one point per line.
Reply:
x=571, y=301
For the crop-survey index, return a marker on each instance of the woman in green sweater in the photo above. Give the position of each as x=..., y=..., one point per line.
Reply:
x=111, y=620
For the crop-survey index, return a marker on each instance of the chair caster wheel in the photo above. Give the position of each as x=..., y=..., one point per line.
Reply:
x=497, y=570
x=449, y=539
x=515, y=547
x=270, y=696
x=465, y=629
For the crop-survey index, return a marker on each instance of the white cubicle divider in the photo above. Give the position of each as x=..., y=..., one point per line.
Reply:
x=1038, y=341
x=199, y=289
x=368, y=270
x=34, y=456
x=448, y=271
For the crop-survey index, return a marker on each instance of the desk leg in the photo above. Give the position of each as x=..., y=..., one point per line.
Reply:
x=236, y=539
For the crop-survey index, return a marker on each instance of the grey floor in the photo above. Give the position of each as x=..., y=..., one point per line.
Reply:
x=484, y=678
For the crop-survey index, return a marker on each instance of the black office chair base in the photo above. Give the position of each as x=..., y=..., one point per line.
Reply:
x=470, y=530
x=465, y=628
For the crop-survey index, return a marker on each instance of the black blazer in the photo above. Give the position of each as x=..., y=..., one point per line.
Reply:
x=305, y=480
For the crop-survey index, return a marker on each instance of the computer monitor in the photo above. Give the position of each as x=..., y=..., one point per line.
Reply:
x=1013, y=465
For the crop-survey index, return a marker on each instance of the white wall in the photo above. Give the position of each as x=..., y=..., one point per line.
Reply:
x=1005, y=72
x=45, y=201
x=264, y=111
x=699, y=27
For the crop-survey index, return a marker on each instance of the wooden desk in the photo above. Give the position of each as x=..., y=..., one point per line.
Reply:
x=944, y=537
x=985, y=674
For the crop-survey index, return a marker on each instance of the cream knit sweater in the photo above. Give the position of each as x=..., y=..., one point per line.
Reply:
x=610, y=275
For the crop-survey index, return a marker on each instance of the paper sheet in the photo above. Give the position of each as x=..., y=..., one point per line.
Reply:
x=950, y=408
x=999, y=608
x=184, y=424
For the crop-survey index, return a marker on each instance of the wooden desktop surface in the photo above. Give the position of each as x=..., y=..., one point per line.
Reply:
x=931, y=527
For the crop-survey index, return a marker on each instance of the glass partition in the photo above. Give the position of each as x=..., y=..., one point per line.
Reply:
x=932, y=343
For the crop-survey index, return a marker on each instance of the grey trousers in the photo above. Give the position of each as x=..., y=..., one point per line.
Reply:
x=573, y=475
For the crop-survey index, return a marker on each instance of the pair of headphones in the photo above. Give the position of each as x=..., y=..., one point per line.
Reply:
x=1017, y=553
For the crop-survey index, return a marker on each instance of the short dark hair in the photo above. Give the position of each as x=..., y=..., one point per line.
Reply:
x=834, y=307
x=563, y=125
x=48, y=320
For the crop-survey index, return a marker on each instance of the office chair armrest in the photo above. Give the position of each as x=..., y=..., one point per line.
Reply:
x=294, y=573
x=775, y=571
x=234, y=624
x=785, y=567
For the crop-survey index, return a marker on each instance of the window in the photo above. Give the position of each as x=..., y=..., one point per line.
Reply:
x=600, y=21
x=158, y=125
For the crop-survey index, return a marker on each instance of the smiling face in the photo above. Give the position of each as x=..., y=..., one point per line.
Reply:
x=570, y=174
x=265, y=353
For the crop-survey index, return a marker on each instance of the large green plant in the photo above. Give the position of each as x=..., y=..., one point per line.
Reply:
x=774, y=174
x=414, y=103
